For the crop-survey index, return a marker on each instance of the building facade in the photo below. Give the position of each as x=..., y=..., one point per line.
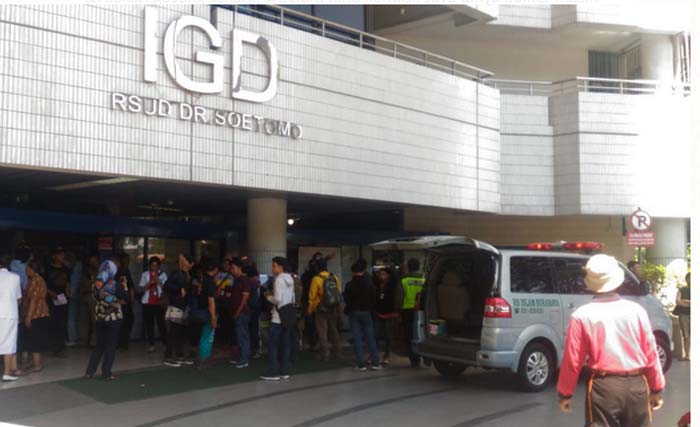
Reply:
x=250, y=118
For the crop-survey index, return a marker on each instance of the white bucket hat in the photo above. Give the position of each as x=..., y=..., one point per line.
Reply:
x=603, y=274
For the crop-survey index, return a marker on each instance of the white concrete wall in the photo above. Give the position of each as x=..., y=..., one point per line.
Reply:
x=511, y=58
x=374, y=127
x=527, y=156
x=532, y=16
x=634, y=152
x=519, y=230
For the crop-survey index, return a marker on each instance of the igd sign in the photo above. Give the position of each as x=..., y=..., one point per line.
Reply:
x=215, y=61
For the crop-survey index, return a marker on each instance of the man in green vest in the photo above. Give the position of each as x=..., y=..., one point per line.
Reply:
x=411, y=287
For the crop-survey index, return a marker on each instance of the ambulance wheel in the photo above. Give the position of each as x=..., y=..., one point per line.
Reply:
x=536, y=368
x=664, y=351
x=449, y=369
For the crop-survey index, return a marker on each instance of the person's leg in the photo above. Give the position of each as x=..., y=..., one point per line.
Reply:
x=368, y=332
x=334, y=334
x=7, y=363
x=389, y=337
x=100, y=333
x=178, y=341
x=169, y=350
x=63, y=327
x=273, y=347
x=111, y=340
x=149, y=319
x=356, y=330
x=92, y=334
x=636, y=411
x=127, y=325
x=73, y=307
x=285, y=349
x=160, y=321
x=84, y=322
x=684, y=322
x=407, y=322
x=242, y=333
x=605, y=401
x=254, y=333
x=36, y=361
x=322, y=329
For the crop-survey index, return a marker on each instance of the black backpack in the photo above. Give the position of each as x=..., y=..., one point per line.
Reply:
x=331, y=294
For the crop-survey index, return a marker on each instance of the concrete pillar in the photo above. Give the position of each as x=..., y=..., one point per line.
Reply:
x=267, y=231
x=671, y=240
x=656, y=57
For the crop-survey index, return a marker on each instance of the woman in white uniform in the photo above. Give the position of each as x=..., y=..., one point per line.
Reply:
x=10, y=295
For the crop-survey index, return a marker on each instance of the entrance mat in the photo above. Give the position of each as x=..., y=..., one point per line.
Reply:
x=163, y=381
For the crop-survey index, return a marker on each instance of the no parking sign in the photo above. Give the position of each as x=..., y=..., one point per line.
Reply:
x=642, y=235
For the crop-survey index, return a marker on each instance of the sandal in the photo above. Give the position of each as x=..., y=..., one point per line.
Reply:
x=35, y=369
x=18, y=373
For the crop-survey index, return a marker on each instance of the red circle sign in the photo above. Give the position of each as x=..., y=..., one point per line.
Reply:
x=641, y=220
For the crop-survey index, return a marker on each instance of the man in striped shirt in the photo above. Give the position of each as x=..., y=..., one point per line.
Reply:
x=615, y=339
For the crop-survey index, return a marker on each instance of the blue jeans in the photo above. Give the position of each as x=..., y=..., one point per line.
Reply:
x=73, y=316
x=254, y=328
x=243, y=336
x=361, y=326
x=279, y=349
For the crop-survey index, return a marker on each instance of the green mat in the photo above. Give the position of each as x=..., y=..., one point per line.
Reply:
x=163, y=381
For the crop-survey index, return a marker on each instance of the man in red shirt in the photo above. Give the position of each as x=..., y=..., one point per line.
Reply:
x=614, y=337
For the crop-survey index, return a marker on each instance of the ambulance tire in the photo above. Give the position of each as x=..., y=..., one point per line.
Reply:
x=449, y=369
x=536, y=368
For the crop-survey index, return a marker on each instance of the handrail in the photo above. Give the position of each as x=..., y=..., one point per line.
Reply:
x=366, y=40
x=588, y=84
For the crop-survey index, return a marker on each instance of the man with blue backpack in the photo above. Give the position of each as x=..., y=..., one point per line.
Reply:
x=325, y=300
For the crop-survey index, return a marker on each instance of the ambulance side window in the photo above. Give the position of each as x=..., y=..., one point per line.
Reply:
x=569, y=274
x=629, y=286
x=531, y=275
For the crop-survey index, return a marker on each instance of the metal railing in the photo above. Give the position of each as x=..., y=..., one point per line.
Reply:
x=588, y=84
x=301, y=21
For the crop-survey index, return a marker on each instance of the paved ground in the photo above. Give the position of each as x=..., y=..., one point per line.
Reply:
x=398, y=396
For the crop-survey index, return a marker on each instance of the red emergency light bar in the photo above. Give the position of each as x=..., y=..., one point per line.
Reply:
x=569, y=246
x=540, y=246
x=583, y=246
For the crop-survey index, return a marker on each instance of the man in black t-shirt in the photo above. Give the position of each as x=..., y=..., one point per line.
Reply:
x=57, y=278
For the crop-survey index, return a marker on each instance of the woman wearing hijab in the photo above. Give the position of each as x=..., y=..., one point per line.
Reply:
x=108, y=317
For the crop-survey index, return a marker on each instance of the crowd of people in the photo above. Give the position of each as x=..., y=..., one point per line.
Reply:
x=90, y=303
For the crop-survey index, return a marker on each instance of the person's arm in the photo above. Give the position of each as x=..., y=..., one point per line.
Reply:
x=272, y=297
x=653, y=370
x=575, y=354
x=680, y=301
x=212, y=311
x=339, y=307
x=144, y=281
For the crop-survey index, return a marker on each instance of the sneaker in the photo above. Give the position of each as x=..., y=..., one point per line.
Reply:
x=233, y=362
x=152, y=349
x=8, y=378
x=376, y=368
x=172, y=363
x=241, y=365
x=270, y=377
x=186, y=362
x=71, y=343
x=255, y=356
x=362, y=368
x=285, y=376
